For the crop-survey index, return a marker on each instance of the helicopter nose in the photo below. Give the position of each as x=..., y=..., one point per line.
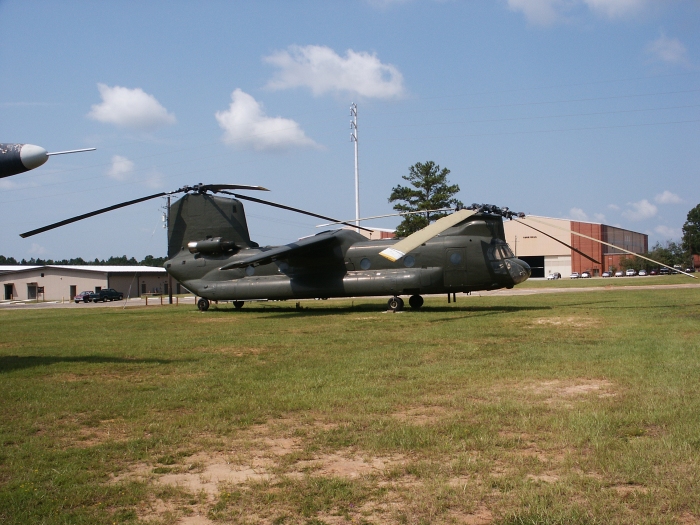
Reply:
x=519, y=270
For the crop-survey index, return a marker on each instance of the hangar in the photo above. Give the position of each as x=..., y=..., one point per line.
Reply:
x=56, y=283
x=546, y=256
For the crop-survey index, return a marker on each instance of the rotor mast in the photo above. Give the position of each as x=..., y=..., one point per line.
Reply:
x=353, y=138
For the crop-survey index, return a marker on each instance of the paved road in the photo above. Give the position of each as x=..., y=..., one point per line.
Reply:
x=189, y=300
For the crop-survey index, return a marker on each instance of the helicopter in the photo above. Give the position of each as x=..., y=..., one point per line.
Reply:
x=210, y=253
x=18, y=158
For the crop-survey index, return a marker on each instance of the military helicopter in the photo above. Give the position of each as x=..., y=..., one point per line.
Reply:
x=18, y=158
x=210, y=253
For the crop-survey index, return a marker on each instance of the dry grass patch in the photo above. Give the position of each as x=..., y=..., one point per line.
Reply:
x=422, y=415
x=567, y=322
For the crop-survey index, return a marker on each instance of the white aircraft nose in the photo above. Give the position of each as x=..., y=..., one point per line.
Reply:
x=32, y=156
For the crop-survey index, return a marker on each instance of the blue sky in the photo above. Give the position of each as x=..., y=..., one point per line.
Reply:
x=588, y=109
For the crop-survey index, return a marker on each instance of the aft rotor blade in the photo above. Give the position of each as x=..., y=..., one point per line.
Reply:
x=282, y=206
x=382, y=216
x=70, y=151
x=560, y=242
x=220, y=187
x=613, y=246
x=92, y=214
x=413, y=241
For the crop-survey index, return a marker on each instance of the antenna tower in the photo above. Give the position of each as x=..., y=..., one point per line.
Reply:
x=353, y=138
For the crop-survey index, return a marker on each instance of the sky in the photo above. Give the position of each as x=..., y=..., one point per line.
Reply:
x=581, y=109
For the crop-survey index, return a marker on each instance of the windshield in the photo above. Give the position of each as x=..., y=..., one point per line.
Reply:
x=500, y=251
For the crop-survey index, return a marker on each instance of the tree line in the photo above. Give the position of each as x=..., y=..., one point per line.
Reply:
x=149, y=260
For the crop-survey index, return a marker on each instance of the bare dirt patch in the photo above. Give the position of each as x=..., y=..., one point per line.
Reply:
x=556, y=391
x=573, y=322
x=346, y=465
x=628, y=488
x=481, y=516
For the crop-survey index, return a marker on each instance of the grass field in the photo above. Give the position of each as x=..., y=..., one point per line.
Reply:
x=579, y=408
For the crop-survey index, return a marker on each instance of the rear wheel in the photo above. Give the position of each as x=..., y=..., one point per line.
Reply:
x=238, y=304
x=395, y=304
x=416, y=301
x=203, y=304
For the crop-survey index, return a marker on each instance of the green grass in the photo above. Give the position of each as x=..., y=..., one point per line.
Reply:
x=561, y=408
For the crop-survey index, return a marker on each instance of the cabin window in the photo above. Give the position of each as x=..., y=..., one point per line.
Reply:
x=249, y=270
x=456, y=258
x=409, y=261
x=365, y=263
x=498, y=252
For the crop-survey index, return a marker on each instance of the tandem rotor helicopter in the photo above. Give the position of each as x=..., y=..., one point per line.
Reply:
x=211, y=254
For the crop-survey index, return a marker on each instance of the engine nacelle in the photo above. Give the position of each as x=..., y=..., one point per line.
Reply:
x=215, y=245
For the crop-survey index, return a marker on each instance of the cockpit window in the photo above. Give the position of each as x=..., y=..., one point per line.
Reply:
x=500, y=251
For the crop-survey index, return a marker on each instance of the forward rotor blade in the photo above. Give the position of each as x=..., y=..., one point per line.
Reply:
x=92, y=214
x=560, y=242
x=382, y=216
x=613, y=246
x=70, y=151
x=413, y=241
x=220, y=187
x=282, y=206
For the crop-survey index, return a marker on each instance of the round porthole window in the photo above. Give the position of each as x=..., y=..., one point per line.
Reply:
x=365, y=263
x=249, y=270
x=456, y=258
x=283, y=266
x=409, y=261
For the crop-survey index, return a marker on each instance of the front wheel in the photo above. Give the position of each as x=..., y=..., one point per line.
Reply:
x=395, y=304
x=203, y=304
x=238, y=304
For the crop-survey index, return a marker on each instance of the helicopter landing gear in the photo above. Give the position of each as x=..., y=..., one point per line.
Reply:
x=238, y=304
x=416, y=301
x=395, y=304
x=203, y=304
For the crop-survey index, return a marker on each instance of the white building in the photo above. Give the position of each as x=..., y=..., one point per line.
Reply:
x=55, y=282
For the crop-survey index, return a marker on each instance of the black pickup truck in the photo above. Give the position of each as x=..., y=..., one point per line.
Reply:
x=107, y=294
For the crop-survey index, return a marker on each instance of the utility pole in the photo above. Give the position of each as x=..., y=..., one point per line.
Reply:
x=353, y=138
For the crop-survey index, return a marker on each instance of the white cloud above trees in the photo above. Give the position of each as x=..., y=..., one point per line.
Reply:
x=246, y=126
x=322, y=70
x=667, y=198
x=638, y=211
x=130, y=108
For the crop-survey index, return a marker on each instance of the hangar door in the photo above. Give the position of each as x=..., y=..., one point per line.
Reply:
x=536, y=262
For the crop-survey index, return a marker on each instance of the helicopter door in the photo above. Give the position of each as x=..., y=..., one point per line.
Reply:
x=455, y=267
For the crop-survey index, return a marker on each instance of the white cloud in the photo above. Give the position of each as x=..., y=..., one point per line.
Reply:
x=578, y=214
x=130, y=108
x=322, y=70
x=667, y=232
x=640, y=210
x=121, y=168
x=615, y=8
x=668, y=198
x=36, y=249
x=246, y=125
x=599, y=217
x=669, y=50
x=539, y=12
x=155, y=179
x=549, y=12
x=614, y=207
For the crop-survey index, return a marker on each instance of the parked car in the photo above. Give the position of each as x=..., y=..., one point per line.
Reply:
x=83, y=297
x=107, y=294
x=619, y=273
x=554, y=275
x=586, y=275
x=642, y=273
x=664, y=271
x=653, y=272
x=574, y=275
x=690, y=270
x=607, y=274
x=631, y=272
